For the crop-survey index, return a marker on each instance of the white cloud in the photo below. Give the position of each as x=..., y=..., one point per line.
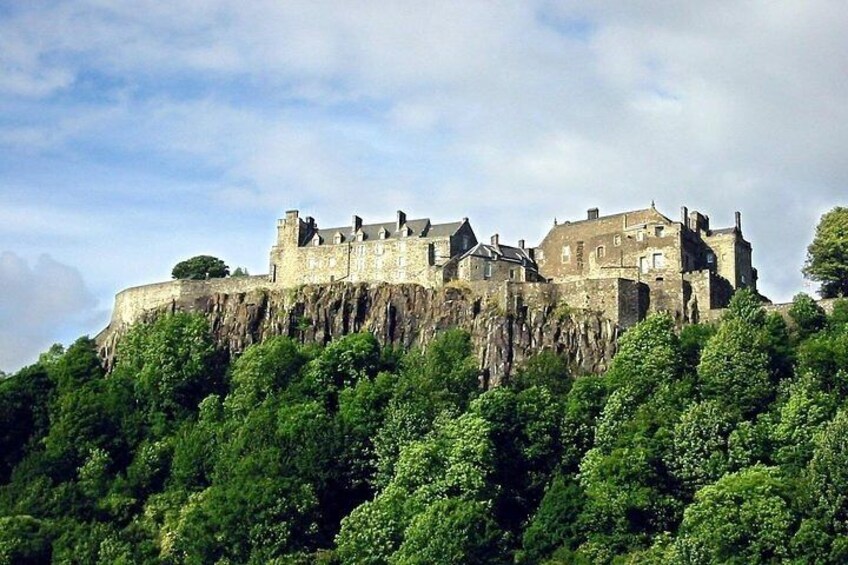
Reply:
x=38, y=305
x=507, y=112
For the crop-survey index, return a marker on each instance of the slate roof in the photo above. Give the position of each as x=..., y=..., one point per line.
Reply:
x=501, y=253
x=419, y=228
x=723, y=231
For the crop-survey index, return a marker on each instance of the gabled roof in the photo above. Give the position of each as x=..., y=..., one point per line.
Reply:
x=418, y=228
x=501, y=253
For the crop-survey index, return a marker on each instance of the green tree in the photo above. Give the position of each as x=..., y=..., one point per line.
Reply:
x=827, y=255
x=24, y=540
x=452, y=531
x=200, y=267
x=172, y=364
x=734, y=367
x=240, y=272
x=808, y=316
x=699, y=454
x=745, y=517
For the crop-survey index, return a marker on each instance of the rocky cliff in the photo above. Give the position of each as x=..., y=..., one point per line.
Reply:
x=508, y=322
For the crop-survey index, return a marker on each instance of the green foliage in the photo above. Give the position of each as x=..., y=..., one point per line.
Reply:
x=745, y=517
x=734, y=367
x=452, y=531
x=263, y=370
x=547, y=369
x=808, y=316
x=555, y=524
x=240, y=272
x=24, y=540
x=827, y=255
x=693, y=338
x=714, y=446
x=172, y=364
x=699, y=454
x=200, y=267
x=839, y=315
x=746, y=306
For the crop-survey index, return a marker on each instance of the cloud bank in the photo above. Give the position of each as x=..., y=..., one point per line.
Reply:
x=136, y=135
x=38, y=304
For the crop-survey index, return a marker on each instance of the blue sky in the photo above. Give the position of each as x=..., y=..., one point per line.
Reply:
x=134, y=135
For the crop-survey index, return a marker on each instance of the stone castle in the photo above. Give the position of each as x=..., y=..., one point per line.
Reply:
x=623, y=265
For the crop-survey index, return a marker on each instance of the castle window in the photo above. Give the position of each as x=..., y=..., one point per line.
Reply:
x=710, y=258
x=742, y=277
x=616, y=240
x=337, y=239
x=487, y=270
x=401, y=261
x=512, y=274
x=466, y=242
x=378, y=249
x=658, y=261
x=566, y=253
x=643, y=264
x=640, y=236
x=600, y=252
x=659, y=231
x=316, y=240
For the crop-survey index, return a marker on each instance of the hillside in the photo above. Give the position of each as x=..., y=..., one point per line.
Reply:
x=720, y=443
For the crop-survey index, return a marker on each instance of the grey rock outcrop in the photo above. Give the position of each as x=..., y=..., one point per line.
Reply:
x=507, y=322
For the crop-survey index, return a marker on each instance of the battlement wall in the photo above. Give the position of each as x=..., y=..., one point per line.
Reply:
x=132, y=303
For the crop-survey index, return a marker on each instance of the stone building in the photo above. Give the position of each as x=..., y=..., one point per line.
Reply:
x=497, y=262
x=686, y=267
x=402, y=251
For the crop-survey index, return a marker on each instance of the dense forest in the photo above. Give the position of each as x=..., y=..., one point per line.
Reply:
x=713, y=444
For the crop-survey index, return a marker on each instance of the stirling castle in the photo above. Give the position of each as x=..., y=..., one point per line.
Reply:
x=624, y=265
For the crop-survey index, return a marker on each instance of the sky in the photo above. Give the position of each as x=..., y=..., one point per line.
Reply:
x=137, y=134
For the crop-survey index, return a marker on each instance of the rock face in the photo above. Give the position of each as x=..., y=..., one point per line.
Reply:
x=508, y=322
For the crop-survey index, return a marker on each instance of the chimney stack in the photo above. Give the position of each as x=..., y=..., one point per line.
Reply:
x=401, y=219
x=593, y=213
x=357, y=223
x=684, y=216
x=739, y=222
x=521, y=244
x=495, y=241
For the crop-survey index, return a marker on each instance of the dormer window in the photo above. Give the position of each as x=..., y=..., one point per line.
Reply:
x=338, y=238
x=384, y=233
x=360, y=236
x=405, y=232
x=316, y=240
